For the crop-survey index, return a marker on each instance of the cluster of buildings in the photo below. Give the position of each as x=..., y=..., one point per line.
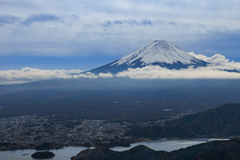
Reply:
x=27, y=132
x=31, y=131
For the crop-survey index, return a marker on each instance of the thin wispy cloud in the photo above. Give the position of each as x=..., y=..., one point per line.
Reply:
x=40, y=18
x=130, y=22
x=7, y=19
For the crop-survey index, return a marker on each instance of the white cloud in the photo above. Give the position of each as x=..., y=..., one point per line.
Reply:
x=218, y=67
x=105, y=75
x=156, y=72
x=85, y=75
x=218, y=61
x=25, y=75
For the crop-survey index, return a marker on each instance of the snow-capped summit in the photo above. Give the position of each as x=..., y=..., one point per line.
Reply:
x=159, y=52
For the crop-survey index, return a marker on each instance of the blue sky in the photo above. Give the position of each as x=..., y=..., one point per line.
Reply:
x=84, y=34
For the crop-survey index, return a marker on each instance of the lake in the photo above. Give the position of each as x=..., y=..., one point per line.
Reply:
x=66, y=153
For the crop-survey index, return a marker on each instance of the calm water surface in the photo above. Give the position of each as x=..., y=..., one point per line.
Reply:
x=66, y=153
x=167, y=145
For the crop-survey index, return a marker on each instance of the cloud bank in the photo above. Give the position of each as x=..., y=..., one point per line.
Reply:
x=218, y=67
x=26, y=75
x=156, y=72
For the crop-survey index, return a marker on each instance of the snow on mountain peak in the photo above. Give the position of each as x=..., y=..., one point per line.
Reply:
x=159, y=51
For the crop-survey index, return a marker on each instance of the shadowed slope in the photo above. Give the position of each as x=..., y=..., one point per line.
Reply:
x=222, y=120
x=217, y=122
x=220, y=150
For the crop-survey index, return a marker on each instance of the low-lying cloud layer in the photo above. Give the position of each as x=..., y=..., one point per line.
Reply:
x=219, y=67
x=156, y=72
x=26, y=75
x=31, y=74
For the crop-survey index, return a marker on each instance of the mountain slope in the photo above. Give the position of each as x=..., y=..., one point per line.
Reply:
x=217, y=122
x=159, y=52
x=223, y=120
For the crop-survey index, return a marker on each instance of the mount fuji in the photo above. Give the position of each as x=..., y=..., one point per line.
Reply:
x=158, y=52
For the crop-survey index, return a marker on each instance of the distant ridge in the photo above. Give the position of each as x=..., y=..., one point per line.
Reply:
x=158, y=52
x=219, y=150
x=222, y=121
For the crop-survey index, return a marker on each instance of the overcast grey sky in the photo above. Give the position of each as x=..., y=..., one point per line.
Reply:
x=88, y=27
x=82, y=34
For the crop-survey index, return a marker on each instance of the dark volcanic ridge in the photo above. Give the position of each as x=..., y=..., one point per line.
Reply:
x=223, y=121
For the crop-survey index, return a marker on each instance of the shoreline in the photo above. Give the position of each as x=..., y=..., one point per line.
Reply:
x=149, y=140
